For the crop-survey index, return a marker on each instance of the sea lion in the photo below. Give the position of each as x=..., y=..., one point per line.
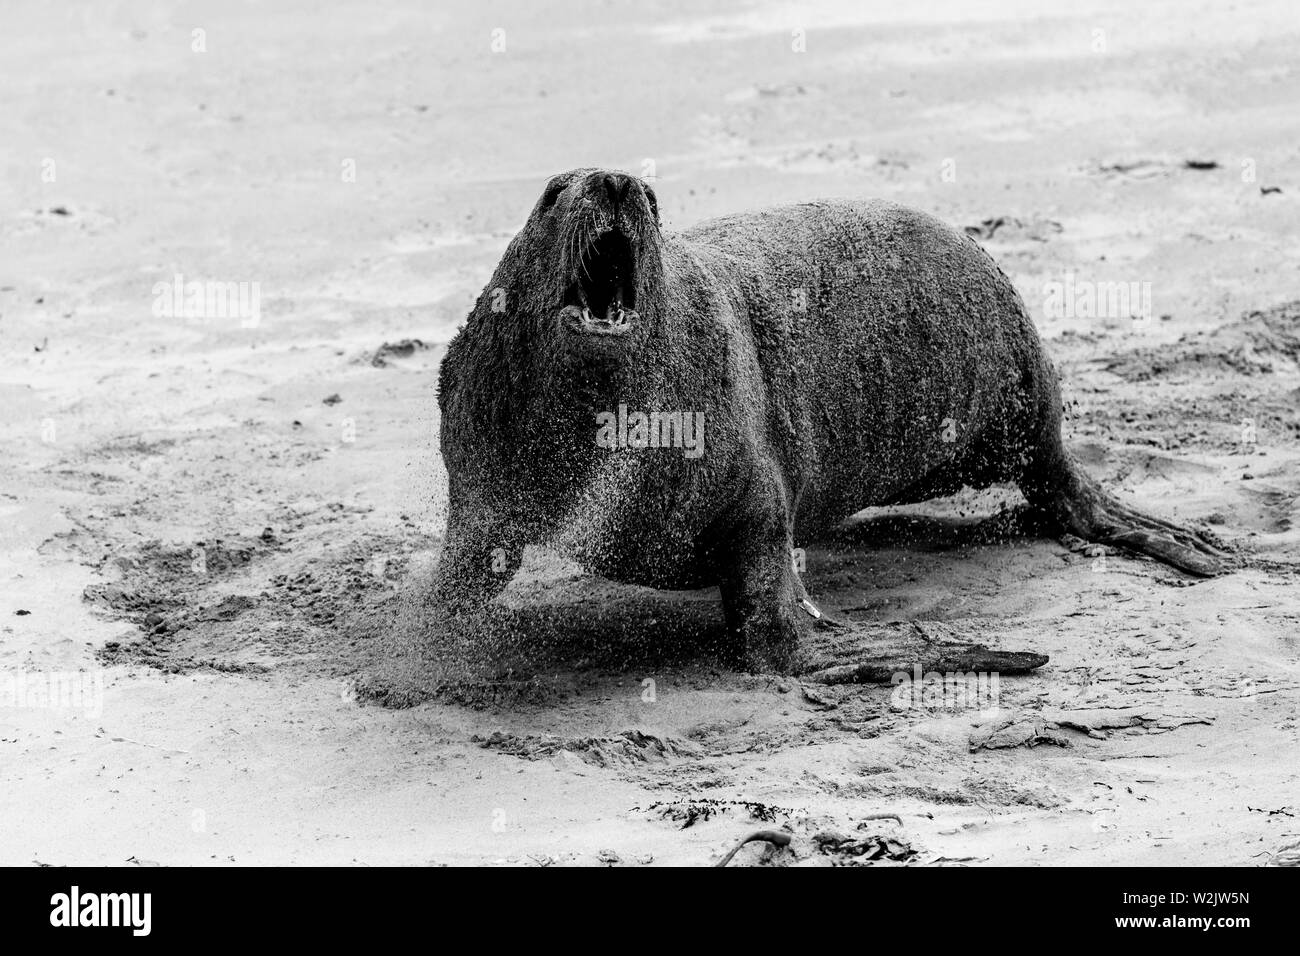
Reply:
x=680, y=411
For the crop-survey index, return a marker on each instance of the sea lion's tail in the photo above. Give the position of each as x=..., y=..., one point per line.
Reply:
x=1078, y=505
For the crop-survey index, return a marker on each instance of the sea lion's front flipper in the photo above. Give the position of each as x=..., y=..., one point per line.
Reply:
x=859, y=654
x=819, y=617
x=765, y=607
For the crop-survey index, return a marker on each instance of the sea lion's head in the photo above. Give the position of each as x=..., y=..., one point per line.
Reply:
x=600, y=229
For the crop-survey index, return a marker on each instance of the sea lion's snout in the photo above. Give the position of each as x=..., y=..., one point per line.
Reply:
x=605, y=286
x=616, y=187
x=609, y=225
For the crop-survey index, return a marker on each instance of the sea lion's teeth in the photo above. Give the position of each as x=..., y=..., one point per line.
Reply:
x=586, y=315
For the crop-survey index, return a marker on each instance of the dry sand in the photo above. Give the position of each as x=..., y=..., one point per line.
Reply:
x=136, y=445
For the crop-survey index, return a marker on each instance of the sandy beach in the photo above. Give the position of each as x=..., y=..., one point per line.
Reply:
x=208, y=521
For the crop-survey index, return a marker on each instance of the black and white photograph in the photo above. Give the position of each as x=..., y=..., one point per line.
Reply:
x=626, y=435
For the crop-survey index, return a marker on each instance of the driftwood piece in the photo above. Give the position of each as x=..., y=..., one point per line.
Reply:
x=1018, y=730
x=775, y=837
x=856, y=655
x=1028, y=728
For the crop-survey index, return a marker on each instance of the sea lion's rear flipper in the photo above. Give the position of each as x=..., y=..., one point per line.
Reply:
x=1077, y=505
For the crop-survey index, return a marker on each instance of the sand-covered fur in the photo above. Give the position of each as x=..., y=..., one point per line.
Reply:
x=836, y=355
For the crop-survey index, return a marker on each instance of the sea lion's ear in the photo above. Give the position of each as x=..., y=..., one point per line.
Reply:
x=653, y=200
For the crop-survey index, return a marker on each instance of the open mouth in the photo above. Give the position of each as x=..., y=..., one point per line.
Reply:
x=605, y=287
